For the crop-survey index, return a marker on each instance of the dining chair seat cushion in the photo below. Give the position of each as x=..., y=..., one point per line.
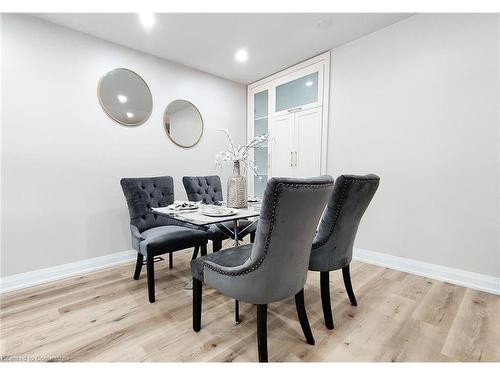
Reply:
x=231, y=257
x=214, y=233
x=171, y=238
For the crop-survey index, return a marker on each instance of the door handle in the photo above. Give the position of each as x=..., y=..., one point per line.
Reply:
x=291, y=158
x=295, y=158
x=298, y=109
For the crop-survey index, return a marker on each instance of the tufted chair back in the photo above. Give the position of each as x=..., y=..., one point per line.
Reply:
x=334, y=241
x=203, y=188
x=144, y=193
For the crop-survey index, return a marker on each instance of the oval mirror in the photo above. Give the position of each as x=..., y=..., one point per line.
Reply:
x=183, y=123
x=125, y=97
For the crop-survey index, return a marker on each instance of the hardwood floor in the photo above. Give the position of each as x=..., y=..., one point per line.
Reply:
x=106, y=316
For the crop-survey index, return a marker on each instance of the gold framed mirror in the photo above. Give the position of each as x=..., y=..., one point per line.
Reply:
x=125, y=97
x=183, y=123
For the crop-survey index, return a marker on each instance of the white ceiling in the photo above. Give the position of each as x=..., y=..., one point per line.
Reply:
x=209, y=41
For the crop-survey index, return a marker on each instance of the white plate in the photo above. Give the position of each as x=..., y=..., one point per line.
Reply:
x=180, y=208
x=185, y=208
x=219, y=214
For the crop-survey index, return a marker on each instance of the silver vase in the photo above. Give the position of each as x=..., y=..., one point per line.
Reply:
x=237, y=188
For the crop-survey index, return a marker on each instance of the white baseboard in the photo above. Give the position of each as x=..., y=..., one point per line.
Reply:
x=487, y=283
x=45, y=275
x=467, y=279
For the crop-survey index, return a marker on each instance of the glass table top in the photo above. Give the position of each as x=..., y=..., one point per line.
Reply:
x=197, y=217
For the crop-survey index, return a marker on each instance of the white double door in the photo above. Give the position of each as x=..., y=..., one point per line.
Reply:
x=295, y=146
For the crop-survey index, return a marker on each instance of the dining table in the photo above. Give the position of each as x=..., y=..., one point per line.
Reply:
x=204, y=215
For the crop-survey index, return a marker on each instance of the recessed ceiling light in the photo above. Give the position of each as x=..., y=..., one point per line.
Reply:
x=309, y=83
x=241, y=55
x=147, y=20
x=122, y=98
x=130, y=114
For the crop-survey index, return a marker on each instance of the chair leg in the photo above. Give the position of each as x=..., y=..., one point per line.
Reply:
x=195, y=252
x=252, y=237
x=348, y=286
x=216, y=245
x=170, y=260
x=138, y=266
x=150, y=265
x=325, y=299
x=236, y=311
x=204, y=249
x=262, y=332
x=197, y=288
x=304, y=322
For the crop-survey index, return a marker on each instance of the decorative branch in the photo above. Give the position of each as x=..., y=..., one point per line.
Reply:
x=240, y=153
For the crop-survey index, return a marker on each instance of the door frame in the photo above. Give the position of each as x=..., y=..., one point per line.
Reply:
x=268, y=83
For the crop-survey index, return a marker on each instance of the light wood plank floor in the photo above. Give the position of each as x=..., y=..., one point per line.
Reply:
x=105, y=316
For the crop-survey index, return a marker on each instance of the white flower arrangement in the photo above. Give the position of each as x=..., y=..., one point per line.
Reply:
x=239, y=153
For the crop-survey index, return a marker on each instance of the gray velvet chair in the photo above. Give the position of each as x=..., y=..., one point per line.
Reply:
x=153, y=234
x=208, y=189
x=334, y=240
x=275, y=266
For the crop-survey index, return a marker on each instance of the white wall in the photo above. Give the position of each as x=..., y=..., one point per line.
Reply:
x=62, y=157
x=418, y=104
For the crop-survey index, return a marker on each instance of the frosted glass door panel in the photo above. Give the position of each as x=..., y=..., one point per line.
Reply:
x=260, y=127
x=260, y=182
x=260, y=104
x=308, y=127
x=261, y=160
x=297, y=93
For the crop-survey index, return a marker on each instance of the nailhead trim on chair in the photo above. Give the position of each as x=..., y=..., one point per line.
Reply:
x=259, y=261
x=341, y=204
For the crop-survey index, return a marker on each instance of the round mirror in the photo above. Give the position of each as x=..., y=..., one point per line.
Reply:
x=125, y=97
x=183, y=123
